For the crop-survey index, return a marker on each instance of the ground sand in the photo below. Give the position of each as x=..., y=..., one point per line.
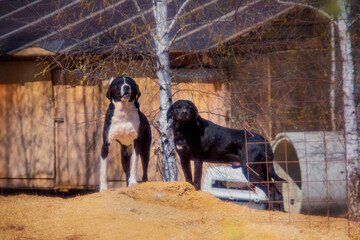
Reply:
x=157, y=210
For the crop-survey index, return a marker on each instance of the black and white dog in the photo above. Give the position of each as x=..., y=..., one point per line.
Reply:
x=201, y=140
x=127, y=125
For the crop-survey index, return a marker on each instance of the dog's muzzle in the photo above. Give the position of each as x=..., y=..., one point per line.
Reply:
x=183, y=116
x=125, y=92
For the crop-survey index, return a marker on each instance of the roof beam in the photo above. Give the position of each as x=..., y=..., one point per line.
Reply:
x=104, y=31
x=67, y=27
x=222, y=18
x=174, y=19
x=19, y=9
x=40, y=19
x=126, y=21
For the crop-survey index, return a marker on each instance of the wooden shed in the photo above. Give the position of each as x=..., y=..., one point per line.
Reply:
x=51, y=122
x=51, y=126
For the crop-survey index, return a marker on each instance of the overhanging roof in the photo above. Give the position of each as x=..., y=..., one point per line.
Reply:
x=76, y=26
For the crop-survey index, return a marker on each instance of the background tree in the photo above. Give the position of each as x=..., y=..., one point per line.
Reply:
x=344, y=17
x=162, y=43
x=350, y=120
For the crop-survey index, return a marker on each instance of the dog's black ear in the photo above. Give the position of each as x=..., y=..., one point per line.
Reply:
x=136, y=103
x=198, y=118
x=108, y=93
x=170, y=112
x=138, y=93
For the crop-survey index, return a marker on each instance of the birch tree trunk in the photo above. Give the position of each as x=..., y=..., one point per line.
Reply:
x=164, y=79
x=351, y=133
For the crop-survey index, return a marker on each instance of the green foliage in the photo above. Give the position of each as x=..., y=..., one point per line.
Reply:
x=331, y=7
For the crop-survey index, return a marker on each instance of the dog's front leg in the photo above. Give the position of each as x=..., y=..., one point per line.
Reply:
x=185, y=164
x=198, y=164
x=104, y=153
x=133, y=165
x=185, y=156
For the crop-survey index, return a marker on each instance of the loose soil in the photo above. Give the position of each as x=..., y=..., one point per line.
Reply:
x=157, y=210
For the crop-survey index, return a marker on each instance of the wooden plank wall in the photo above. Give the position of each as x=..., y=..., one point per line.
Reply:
x=27, y=126
x=78, y=137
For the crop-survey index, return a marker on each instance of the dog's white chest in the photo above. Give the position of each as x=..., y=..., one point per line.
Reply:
x=124, y=126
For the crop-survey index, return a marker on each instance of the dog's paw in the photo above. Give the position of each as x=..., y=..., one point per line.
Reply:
x=132, y=182
x=103, y=187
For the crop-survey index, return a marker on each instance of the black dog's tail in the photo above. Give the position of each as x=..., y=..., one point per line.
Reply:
x=272, y=172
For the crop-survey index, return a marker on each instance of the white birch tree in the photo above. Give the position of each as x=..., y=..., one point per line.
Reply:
x=350, y=121
x=162, y=43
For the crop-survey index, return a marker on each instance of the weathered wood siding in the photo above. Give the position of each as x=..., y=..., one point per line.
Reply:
x=27, y=126
x=78, y=137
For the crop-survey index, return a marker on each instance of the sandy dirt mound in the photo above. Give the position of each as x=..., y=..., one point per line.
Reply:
x=157, y=210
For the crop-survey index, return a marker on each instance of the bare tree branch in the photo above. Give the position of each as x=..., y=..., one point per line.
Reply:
x=172, y=23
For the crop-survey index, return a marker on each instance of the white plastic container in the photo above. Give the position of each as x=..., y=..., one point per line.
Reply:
x=230, y=184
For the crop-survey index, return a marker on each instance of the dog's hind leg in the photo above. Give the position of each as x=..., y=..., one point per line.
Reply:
x=198, y=164
x=275, y=198
x=103, y=162
x=145, y=157
x=125, y=160
x=278, y=199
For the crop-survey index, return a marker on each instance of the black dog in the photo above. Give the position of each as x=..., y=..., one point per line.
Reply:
x=126, y=124
x=201, y=140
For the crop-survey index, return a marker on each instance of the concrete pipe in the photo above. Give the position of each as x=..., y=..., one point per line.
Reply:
x=314, y=165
